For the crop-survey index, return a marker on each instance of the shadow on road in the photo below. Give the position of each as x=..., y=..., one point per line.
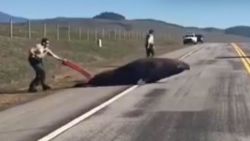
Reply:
x=231, y=57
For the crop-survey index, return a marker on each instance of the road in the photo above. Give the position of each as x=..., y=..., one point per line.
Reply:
x=208, y=103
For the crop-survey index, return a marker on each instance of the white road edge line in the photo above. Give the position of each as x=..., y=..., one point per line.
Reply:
x=77, y=120
x=86, y=115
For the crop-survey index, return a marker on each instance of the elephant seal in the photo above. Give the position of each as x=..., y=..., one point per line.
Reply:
x=148, y=70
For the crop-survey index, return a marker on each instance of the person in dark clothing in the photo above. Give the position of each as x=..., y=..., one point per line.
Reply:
x=149, y=44
x=36, y=55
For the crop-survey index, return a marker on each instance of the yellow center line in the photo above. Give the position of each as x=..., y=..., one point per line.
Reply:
x=243, y=56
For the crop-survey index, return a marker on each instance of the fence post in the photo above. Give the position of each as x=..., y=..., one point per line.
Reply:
x=124, y=35
x=133, y=35
x=119, y=35
x=80, y=33
x=88, y=35
x=109, y=34
x=95, y=35
x=69, y=38
x=115, y=32
x=57, y=32
x=127, y=33
x=44, y=30
x=11, y=28
x=103, y=33
x=29, y=29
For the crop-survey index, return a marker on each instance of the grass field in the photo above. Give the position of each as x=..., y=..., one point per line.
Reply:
x=15, y=71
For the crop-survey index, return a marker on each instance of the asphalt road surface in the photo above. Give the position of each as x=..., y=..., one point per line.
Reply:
x=208, y=103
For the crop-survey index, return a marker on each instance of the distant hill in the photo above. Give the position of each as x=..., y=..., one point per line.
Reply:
x=161, y=28
x=110, y=16
x=212, y=29
x=112, y=21
x=4, y=18
x=239, y=30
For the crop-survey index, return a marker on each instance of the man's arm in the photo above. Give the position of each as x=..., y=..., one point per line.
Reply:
x=54, y=55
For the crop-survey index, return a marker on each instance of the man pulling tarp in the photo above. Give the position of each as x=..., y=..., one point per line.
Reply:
x=36, y=55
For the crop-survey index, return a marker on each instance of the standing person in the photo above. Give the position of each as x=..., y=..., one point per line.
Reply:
x=149, y=45
x=36, y=55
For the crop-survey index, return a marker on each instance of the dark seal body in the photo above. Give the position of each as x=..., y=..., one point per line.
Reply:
x=149, y=70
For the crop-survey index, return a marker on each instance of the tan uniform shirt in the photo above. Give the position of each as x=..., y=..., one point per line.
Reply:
x=40, y=52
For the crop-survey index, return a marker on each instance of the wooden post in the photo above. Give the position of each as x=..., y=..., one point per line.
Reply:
x=69, y=38
x=11, y=28
x=80, y=33
x=124, y=35
x=103, y=33
x=44, y=30
x=88, y=35
x=133, y=35
x=57, y=32
x=95, y=35
x=29, y=29
x=119, y=34
x=109, y=34
x=115, y=34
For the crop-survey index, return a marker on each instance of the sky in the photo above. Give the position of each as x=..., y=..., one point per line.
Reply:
x=199, y=13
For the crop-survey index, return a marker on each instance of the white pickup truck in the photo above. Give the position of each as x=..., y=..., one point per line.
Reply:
x=193, y=38
x=190, y=38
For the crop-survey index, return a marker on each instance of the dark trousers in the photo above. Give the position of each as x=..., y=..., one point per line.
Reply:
x=150, y=50
x=37, y=65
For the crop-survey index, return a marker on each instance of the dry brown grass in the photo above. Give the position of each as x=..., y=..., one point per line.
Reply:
x=15, y=72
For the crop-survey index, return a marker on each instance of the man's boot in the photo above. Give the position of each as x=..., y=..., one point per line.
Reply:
x=32, y=90
x=46, y=87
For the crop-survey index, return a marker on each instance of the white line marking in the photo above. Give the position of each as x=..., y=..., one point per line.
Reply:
x=77, y=120
x=86, y=115
x=189, y=53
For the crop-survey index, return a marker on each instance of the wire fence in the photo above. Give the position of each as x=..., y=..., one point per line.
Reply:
x=36, y=30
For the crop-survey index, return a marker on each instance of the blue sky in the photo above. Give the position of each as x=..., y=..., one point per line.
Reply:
x=201, y=13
